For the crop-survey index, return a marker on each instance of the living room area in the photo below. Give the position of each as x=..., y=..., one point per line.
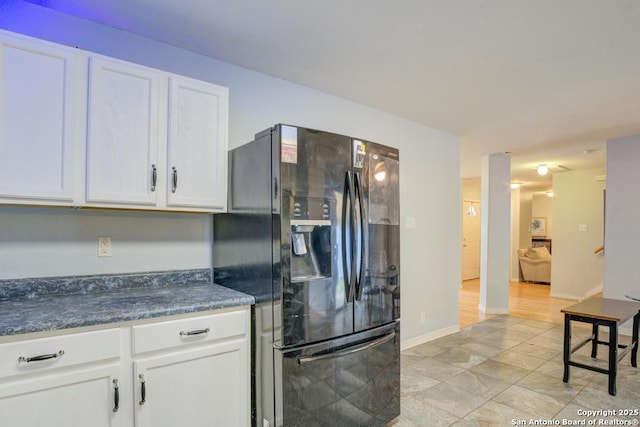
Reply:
x=557, y=234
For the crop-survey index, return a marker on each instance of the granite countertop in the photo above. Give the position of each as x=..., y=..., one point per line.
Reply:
x=47, y=305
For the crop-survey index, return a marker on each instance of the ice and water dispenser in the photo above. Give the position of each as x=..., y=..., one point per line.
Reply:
x=310, y=239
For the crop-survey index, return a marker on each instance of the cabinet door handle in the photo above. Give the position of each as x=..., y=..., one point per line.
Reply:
x=41, y=357
x=143, y=389
x=196, y=332
x=116, y=395
x=174, y=181
x=154, y=177
x=275, y=188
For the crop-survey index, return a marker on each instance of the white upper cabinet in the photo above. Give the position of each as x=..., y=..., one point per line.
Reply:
x=38, y=119
x=149, y=130
x=79, y=129
x=197, y=145
x=122, y=146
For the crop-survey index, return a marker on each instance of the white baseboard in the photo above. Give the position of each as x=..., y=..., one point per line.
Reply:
x=489, y=310
x=412, y=342
x=587, y=294
x=565, y=296
x=595, y=290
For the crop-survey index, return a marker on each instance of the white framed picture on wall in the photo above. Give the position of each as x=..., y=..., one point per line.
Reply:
x=539, y=226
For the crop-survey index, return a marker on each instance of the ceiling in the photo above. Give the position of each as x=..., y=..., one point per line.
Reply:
x=548, y=81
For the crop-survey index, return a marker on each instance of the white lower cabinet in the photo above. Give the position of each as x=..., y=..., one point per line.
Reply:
x=193, y=372
x=187, y=372
x=201, y=387
x=81, y=398
x=65, y=381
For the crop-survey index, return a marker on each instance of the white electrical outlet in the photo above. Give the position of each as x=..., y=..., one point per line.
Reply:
x=104, y=246
x=423, y=317
x=410, y=222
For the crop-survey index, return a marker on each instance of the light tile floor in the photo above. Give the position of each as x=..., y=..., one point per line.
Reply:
x=508, y=371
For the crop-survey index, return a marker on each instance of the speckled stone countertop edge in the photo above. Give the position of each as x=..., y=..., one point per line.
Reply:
x=54, y=312
x=57, y=285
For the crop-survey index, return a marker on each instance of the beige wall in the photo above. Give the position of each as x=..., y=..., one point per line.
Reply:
x=471, y=192
x=578, y=229
x=526, y=207
x=516, y=215
x=542, y=206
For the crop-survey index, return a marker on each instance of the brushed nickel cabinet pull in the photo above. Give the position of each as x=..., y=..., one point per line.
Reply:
x=116, y=395
x=143, y=389
x=196, y=332
x=41, y=357
x=154, y=177
x=174, y=181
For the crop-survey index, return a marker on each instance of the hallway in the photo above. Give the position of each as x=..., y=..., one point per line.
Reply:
x=530, y=300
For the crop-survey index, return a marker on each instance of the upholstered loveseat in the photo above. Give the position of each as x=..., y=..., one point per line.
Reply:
x=535, y=264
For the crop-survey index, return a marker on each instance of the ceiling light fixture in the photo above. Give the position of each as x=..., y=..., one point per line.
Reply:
x=549, y=193
x=543, y=169
x=515, y=185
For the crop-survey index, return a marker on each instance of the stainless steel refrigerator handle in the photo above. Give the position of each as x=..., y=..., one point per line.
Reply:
x=352, y=229
x=350, y=350
x=349, y=276
x=362, y=225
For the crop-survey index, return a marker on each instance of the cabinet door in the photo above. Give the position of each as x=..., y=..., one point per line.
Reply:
x=37, y=120
x=197, y=147
x=77, y=399
x=208, y=386
x=122, y=148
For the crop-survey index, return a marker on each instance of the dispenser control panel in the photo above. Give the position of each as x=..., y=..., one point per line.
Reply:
x=311, y=208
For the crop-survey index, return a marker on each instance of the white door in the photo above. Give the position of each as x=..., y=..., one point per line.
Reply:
x=76, y=399
x=205, y=387
x=123, y=142
x=37, y=120
x=471, y=240
x=197, y=146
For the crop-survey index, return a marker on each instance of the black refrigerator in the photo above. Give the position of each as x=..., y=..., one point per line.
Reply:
x=313, y=233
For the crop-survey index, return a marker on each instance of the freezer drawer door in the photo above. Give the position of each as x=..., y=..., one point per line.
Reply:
x=352, y=381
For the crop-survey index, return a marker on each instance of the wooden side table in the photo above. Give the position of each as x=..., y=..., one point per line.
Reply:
x=605, y=312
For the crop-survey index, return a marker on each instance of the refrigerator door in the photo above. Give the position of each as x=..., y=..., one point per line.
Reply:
x=349, y=381
x=314, y=299
x=378, y=293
